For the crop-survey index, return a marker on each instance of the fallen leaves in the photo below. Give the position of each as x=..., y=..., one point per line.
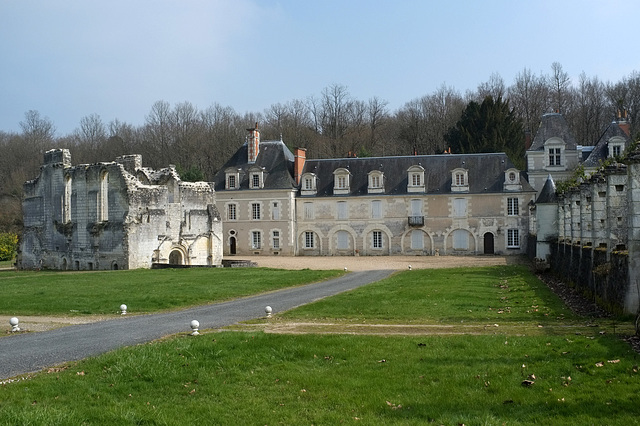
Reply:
x=394, y=406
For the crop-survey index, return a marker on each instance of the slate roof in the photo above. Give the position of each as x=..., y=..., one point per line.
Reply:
x=548, y=193
x=553, y=124
x=601, y=150
x=273, y=157
x=486, y=173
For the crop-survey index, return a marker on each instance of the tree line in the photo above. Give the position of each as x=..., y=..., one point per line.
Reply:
x=494, y=117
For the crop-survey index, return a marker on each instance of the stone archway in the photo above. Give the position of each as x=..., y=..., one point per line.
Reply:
x=175, y=258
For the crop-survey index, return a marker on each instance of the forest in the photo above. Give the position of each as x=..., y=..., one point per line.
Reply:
x=332, y=124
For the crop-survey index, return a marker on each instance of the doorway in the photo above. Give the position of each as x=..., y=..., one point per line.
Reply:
x=175, y=258
x=488, y=243
x=232, y=245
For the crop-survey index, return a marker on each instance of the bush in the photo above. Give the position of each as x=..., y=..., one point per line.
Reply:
x=8, y=245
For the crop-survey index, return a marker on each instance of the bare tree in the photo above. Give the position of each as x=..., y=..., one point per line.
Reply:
x=37, y=131
x=590, y=112
x=529, y=97
x=494, y=87
x=559, y=88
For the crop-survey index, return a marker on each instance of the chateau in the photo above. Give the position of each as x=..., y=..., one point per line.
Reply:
x=276, y=202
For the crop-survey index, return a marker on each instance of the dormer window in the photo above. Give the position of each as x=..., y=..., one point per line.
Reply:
x=555, y=152
x=459, y=180
x=256, y=178
x=341, y=181
x=376, y=182
x=616, y=146
x=512, y=180
x=232, y=179
x=308, y=184
x=415, y=178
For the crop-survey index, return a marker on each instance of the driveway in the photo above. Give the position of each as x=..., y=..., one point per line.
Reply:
x=29, y=352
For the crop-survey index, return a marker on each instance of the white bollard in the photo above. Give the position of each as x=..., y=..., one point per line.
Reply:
x=123, y=309
x=194, y=326
x=409, y=267
x=14, y=324
x=268, y=311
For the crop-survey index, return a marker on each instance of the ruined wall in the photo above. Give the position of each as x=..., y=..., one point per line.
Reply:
x=597, y=237
x=116, y=215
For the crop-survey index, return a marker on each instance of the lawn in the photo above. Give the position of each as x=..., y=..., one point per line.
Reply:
x=582, y=375
x=84, y=293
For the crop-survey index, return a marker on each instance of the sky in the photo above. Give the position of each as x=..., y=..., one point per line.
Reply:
x=73, y=58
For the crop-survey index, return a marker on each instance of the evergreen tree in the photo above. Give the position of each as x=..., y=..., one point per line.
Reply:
x=489, y=127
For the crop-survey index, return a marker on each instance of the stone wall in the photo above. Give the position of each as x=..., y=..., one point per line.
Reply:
x=116, y=215
x=596, y=228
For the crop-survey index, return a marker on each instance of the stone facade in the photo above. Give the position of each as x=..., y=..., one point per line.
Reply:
x=116, y=215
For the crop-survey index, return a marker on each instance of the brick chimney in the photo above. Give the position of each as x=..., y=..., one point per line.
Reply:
x=300, y=158
x=253, y=144
x=623, y=123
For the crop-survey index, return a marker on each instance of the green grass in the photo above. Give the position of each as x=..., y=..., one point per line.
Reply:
x=444, y=296
x=6, y=263
x=65, y=293
x=257, y=378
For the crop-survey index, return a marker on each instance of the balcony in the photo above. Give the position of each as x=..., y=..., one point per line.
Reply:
x=416, y=220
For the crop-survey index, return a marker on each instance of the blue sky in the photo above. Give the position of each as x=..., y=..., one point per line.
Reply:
x=69, y=59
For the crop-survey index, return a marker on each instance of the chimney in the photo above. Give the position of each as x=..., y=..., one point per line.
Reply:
x=623, y=123
x=527, y=140
x=253, y=144
x=300, y=158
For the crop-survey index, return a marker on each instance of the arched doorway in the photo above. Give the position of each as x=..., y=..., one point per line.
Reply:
x=175, y=258
x=488, y=243
x=232, y=245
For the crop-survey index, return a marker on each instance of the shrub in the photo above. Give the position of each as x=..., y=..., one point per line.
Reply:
x=8, y=245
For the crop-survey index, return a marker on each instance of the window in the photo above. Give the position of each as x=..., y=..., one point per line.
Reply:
x=308, y=183
x=376, y=209
x=616, y=150
x=512, y=176
x=256, y=240
x=513, y=238
x=459, y=207
x=416, y=207
x=255, y=180
x=275, y=211
x=103, y=198
x=512, y=207
x=341, y=181
x=231, y=182
x=460, y=239
x=415, y=179
x=342, y=210
x=255, y=211
x=377, y=239
x=459, y=180
x=309, y=239
x=308, y=211
x=376, y=182
x=232, y=212
x=417, y=240
x=555, y=157
x=343, y=240
x=276, y=239
x=66, y=206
